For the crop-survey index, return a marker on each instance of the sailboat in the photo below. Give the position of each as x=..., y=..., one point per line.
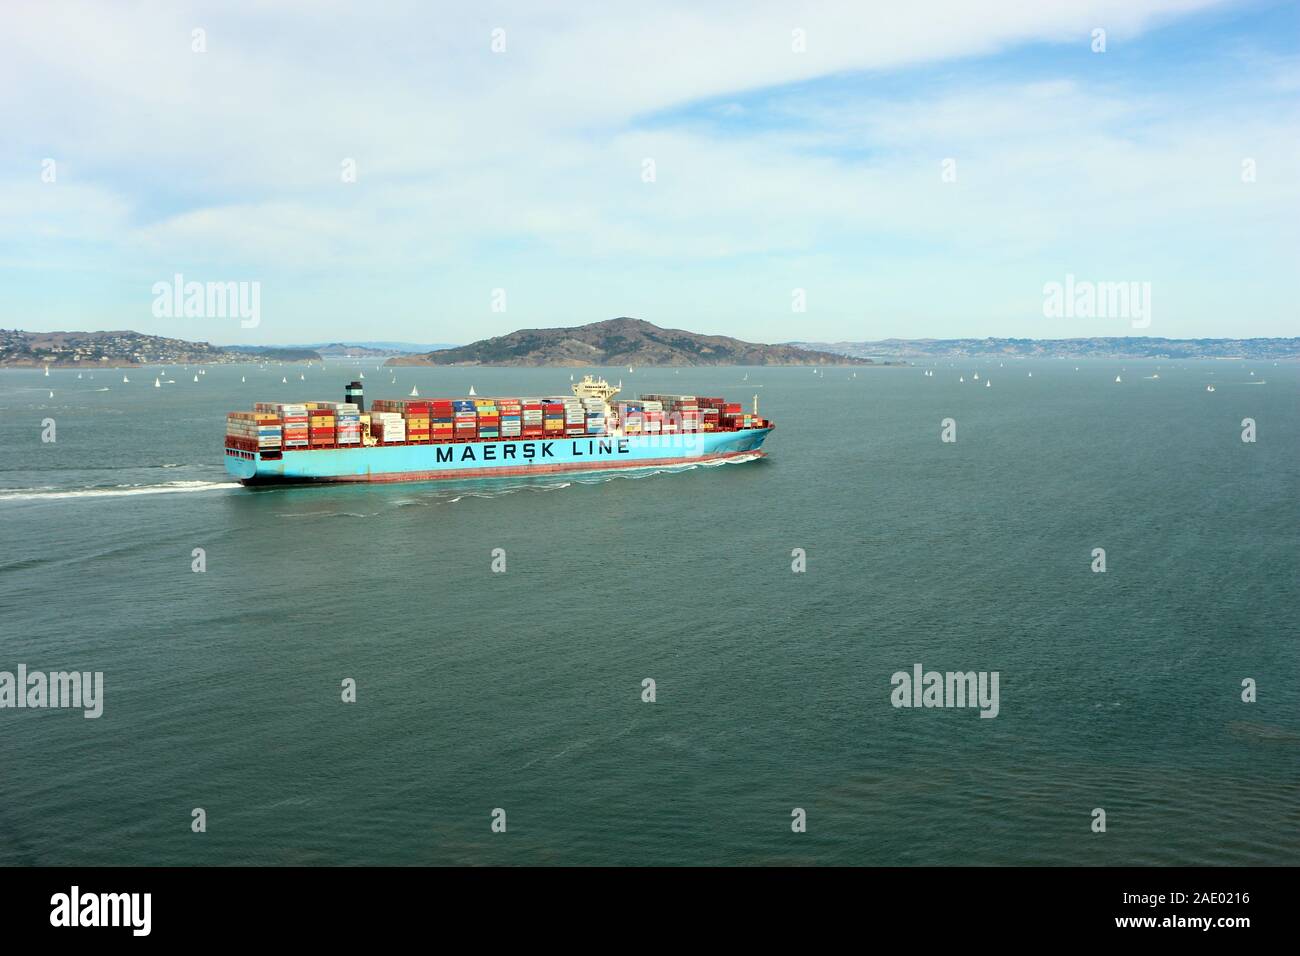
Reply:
x=1208, y=388
x=284, y=381
x=472, y=392
x=52, y=393
x=961, y=379
x=1117, y=378
x=746, y=378
x=415, y=392
x=125, y=380
x=47, y=371
x=157, y=383
x=242, y=379
x=988, y=383
x=79, y=375
x=363, y=374
x=977, y=376
x=196, y=378
x=302, y=378
x=629, y=368
x=1031, y=374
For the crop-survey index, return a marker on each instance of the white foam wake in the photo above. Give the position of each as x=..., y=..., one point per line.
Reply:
x=170, y=487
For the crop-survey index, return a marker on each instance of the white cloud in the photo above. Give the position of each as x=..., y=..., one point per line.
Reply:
x=230, y=159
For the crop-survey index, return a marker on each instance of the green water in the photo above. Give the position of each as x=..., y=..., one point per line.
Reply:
x=522, y=690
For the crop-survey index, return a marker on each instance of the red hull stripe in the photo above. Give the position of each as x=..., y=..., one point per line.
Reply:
x=511, y=471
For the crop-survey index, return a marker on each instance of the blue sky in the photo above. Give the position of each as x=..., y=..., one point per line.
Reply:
x=775, y=169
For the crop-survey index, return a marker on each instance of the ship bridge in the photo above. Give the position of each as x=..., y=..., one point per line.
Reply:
x=596, y=388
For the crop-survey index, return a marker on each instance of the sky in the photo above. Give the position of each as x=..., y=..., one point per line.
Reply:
x=776, y=171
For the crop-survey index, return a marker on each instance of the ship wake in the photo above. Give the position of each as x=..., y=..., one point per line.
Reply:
x=118, y=491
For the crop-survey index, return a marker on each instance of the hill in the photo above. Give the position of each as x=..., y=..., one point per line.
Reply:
x=87, y=349
x=1127, y=347
x=621, y=341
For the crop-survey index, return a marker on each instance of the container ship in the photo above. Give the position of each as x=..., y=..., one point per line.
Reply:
x=428, y=439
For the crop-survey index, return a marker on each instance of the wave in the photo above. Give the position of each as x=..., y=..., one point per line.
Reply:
x=328, y=514
x=598, y=478
x=170, y=487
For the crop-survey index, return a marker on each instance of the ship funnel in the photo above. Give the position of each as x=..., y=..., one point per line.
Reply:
x=355, y=393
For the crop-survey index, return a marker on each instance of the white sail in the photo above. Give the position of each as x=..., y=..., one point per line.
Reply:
x=472, y=392
x=415, y=392
x=157, y=383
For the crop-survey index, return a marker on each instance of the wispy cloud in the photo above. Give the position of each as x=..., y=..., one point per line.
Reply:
x=524, y=169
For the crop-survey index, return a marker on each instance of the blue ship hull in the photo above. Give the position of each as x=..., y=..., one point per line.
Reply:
x=492, y=459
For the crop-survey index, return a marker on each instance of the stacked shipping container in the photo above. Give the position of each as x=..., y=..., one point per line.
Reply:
x=293, y=422
x=275, y=426
x=253, y=432
x=682, y=412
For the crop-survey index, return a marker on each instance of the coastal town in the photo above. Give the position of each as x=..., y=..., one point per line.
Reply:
x=121, y=348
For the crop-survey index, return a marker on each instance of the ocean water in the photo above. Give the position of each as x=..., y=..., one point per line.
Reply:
x=522, y=691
